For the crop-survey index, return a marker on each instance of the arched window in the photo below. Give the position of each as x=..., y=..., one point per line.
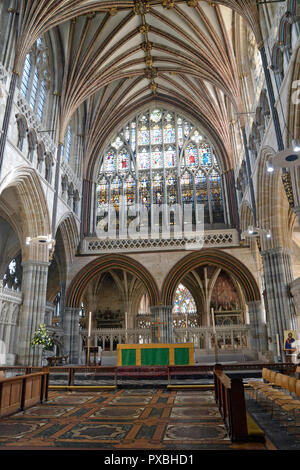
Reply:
x=35, y=80
x=26, y=75
x=184, y=302
x=13, y=276
x=66, y=148
x=161, y=158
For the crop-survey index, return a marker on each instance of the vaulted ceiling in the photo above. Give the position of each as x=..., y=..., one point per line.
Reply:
x=120, y=55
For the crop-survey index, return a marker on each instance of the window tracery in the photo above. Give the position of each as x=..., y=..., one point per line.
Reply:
x=36, y=78
x=184, y=302
x=160, y=158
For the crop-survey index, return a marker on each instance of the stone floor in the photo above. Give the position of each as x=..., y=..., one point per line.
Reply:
x=123, y=419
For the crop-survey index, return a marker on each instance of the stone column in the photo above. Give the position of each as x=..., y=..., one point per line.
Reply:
x=70, y=324
x=258, y=329
x=295, y=291
x=34, y=287
x=162, y=327
x=278, y=277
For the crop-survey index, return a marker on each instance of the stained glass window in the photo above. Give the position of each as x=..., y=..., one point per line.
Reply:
x=170, y=157
x=156, y=135
x=110, y=162
x=157, y=161
x=216, y=195
x=184, y=302
x=123, y=160
x=169, y=134
x=142, y=163
x=187, y=187
x=102, y=194
x=130, y=190
x=144, y=191
x=191, y=155
x=158, y=189
x=156, y=115
x=171, y=189
x=143, y=136
x=116, y=188
x=205, y=156
x=143, y=160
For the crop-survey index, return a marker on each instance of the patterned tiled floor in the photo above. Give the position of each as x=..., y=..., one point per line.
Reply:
x=121, y=419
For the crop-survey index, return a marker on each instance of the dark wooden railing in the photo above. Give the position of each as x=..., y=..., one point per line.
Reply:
x=22, y=391
x=229, y=394
x=67, y=374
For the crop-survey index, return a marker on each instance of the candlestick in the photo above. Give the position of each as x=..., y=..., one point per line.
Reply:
x=126, y=327
x=90, y=324
x=213, y=320
x=278, y=347
x=215, y=334
x=89, y=338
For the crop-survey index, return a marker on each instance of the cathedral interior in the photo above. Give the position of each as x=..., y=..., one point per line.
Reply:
x=149, y=179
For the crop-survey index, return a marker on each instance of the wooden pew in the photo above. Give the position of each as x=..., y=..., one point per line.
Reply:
x=20, y=392
x=230, y=397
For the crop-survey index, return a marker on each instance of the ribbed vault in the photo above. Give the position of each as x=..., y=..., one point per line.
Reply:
x=120, y=54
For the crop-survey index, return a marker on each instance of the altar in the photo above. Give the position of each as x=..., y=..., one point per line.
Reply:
x=155, y=354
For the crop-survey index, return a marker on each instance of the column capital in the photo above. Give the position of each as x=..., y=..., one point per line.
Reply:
x=35, y=262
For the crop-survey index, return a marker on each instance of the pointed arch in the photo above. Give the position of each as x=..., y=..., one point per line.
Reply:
x=26, y=185
x=215, y=257
x=273, y=210
x=107, y=263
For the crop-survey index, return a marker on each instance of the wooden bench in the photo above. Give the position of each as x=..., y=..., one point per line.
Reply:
x=230, y=397
x=20, y=392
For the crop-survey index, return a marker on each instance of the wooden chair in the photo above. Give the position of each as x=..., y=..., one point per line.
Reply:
x=291, y=411
x=280, y=391
x=286, y=398
x=258, y=386
x=268, y=388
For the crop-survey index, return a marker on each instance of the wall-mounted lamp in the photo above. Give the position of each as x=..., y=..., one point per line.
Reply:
x=296, y=145
x=270, y=167
x=42, y=240
x=252, y=232
x=287, y=158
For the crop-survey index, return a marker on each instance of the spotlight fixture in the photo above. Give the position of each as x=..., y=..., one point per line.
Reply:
x=270, y=167
x=287, y=158
x=42, y=240
x=252, y=232
x=296, y=145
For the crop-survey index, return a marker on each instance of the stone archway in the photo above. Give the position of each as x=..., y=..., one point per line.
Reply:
x=243, y=279
x=22, y=194
x=218, y=258
x=105, y=263
x=112, y=264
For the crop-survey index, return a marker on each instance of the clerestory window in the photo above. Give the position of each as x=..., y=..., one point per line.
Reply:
x=35, y=80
